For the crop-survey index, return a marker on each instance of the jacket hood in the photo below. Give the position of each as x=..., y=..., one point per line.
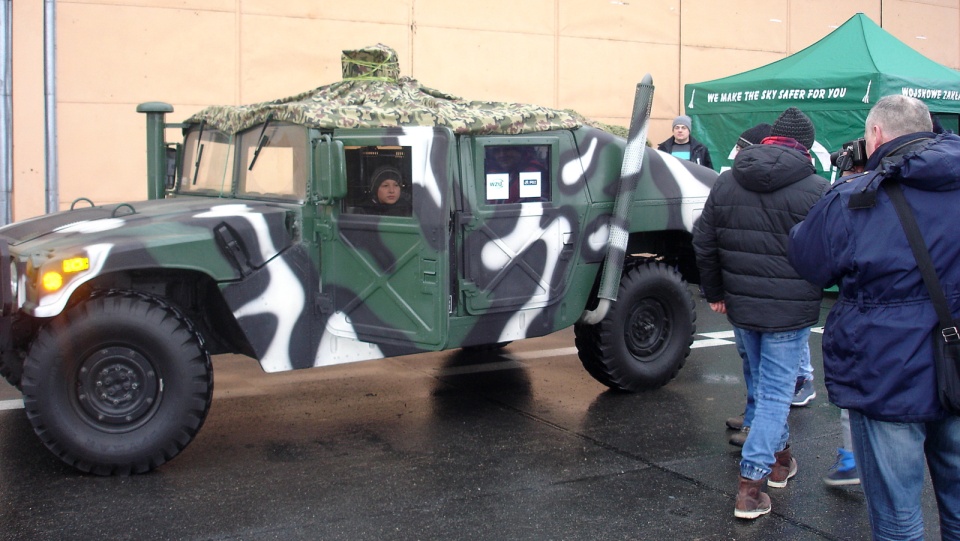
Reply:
x=769, y=167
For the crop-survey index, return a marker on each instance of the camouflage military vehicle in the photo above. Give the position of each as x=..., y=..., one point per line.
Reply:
x=261, y=237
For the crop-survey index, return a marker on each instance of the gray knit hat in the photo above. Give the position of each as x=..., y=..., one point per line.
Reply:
x=681, y=120
x=796, y=125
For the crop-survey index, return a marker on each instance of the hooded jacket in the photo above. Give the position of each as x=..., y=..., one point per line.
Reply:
x=877, y=343
x=741, y=239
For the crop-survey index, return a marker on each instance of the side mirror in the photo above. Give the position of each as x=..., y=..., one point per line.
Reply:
x=329, y=169
x=173, y=157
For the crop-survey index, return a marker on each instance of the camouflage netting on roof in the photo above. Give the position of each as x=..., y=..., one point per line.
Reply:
x=372, y=95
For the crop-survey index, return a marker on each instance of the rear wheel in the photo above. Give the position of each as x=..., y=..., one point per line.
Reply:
x=646, y=335
x=119, y=384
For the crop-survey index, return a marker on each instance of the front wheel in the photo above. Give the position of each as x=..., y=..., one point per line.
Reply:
x=646, y=335
x=119, y=384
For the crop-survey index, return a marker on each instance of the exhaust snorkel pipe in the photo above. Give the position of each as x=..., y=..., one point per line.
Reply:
x=619, y=222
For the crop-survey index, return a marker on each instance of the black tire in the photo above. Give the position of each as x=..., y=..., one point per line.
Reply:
x=119, y=384
x=645, y=337
x=11, y=367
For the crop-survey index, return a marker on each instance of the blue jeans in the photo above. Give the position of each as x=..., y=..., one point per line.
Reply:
x=774, y=359
x=805, y=371
x=806, y=367
x=891, y=457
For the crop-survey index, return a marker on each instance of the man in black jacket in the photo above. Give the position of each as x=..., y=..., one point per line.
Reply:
x=684, y=146
x=741, y=247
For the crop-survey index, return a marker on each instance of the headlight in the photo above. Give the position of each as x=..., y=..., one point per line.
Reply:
x=55, y=275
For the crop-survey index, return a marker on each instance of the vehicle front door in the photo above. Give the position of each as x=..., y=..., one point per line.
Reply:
x=385, y=269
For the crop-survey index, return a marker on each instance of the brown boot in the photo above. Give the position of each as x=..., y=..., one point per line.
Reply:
x=784, y=468
x=751, y=500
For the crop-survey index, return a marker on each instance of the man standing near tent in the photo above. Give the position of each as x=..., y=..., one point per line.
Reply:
x=741, y=246
x=878, y=352
x=684, y=146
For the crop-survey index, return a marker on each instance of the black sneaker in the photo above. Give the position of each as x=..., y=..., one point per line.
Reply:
x=844, y=471
x=804, y=393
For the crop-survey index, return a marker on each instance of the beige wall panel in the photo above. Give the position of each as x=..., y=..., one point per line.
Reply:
x=130, y=55
x=114, y=176
x=812, y=20
x=104, y=174
x=945, y=3
x=598, y=78
x=649, y=21
x=757, y=25
x=936, y=26
x=383, y=11
x=480, y=65
x=28, y=198
x=282, y=56
x=513, y=16
x=201, y=5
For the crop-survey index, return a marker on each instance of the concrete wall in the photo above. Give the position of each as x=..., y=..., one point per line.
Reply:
x=586, y=55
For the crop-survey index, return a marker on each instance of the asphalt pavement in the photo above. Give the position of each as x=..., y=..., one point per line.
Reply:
x=510, y=445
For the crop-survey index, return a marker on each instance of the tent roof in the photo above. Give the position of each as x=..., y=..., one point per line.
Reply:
x=850, y=68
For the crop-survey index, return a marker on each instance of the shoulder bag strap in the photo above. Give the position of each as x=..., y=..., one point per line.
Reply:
x=922, y=255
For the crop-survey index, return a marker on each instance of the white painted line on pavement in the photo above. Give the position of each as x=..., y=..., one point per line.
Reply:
x=711, y=342
x=11, y=404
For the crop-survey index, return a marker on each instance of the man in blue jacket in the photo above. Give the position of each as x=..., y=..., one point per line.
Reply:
x=877, y=345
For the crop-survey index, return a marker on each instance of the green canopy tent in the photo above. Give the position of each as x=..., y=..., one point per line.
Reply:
x=835, y=82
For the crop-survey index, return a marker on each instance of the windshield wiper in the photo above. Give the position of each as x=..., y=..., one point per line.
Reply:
x=196, y=166
x=263, y=141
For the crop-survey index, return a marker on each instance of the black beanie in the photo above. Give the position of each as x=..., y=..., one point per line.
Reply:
x=754, y=135
x=796, y=125
x=381, y=174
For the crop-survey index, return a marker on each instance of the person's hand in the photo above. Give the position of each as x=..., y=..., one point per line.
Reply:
x=719, y=307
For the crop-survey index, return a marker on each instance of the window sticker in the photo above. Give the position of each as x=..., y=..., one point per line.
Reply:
x=498, y=185
x=531, y=184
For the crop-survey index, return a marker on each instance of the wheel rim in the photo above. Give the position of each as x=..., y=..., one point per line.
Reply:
x=118, y=389
x=648, y=328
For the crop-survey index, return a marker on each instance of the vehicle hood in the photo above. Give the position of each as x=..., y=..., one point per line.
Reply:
x=219, y=235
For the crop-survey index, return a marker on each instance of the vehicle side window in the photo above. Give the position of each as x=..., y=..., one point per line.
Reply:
x=516, y=173
x=378, y=181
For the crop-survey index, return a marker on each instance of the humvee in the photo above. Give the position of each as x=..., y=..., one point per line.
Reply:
x=262, y=236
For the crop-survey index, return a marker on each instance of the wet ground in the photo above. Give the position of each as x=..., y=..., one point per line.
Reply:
x=517, y=444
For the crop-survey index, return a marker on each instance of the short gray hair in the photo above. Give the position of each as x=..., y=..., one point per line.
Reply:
x=899, y=115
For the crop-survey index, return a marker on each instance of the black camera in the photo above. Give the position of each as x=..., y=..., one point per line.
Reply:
x=851, y=154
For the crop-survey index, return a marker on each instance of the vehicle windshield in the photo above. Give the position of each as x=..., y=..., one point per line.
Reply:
x=273, y=161
x=207, y=165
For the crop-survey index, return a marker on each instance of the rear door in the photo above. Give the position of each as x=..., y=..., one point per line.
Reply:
x=517, y=237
